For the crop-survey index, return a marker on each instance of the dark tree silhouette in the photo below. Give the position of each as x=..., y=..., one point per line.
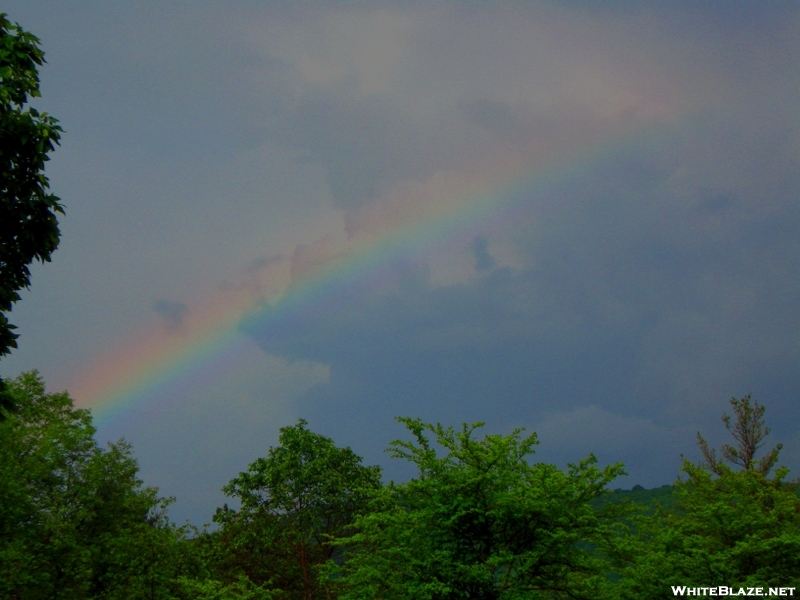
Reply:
x=28, y=213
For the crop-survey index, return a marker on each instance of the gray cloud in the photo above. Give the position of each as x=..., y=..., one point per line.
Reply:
x=650, y=289
x=480, y=250
x=172, y=313
x=637, y=295
x=365, y=144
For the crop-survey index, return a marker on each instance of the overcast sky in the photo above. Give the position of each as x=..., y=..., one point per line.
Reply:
x=577, y=217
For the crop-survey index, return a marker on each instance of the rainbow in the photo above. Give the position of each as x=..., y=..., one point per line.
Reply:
x=420, y=218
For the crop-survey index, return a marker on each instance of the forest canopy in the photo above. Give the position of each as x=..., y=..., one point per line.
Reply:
x=481, y=519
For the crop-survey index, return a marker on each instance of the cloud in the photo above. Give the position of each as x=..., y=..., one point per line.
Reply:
x=172, y=313
x=385, y=99
x=647, y=274
x=651, y=450
x=234, y=406
x=308, y=259
x=262, y=262
x=365, y=144
x=483, y=260
x=650, y=289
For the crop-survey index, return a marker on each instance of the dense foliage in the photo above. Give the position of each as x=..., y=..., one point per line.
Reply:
x=75, y=521
x=294, y=504
x=28, y=224
x=737, y=527
x=479, y=521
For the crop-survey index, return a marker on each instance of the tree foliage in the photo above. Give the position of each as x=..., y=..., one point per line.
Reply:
x=733, y=525
x=75, y=520
x=294, y=503
x=28, y=212
x=749, y=431
x=479, y=522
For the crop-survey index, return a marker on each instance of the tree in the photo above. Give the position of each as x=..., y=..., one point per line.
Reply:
x=479, y=522
x=293, y=503
x=28, y=213
x=734, y=524
x=749, y=432
x=75, y=520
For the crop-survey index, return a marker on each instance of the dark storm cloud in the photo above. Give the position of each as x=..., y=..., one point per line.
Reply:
x=172, y=313
x=650, y=293
x=621, y=311
x=500, y=350
x=480, y=251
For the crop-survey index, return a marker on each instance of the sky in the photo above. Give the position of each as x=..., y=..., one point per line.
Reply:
x=576, y=217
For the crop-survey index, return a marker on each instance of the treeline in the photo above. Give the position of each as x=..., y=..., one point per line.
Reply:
x=479, y=521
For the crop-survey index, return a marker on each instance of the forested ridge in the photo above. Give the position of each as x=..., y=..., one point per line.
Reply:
x=481, y=519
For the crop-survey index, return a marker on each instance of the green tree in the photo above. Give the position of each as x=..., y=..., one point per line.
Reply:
x=293, y=503
x=28, y=224
x=479, y=522
x=734, y=525
x=75, y=520
x=749, y=432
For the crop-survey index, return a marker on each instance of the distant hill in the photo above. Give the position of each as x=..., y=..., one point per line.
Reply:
x=664, y=495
